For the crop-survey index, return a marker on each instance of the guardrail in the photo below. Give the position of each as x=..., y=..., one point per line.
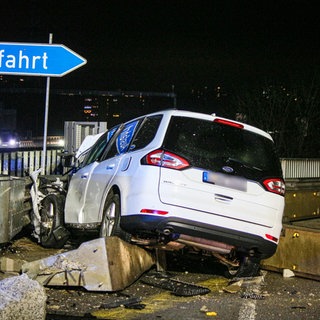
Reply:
x=18, y=163
x=296, y=168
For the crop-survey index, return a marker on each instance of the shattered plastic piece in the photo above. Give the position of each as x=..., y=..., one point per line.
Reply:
x=211, y=314
x=178, y=288
x=136, y=306
x=287, y=273
x=204, y=309
x=234, y=287
x=251, y=295
x=188, y=290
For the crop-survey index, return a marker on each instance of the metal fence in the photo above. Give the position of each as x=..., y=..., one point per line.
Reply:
x=20, y=162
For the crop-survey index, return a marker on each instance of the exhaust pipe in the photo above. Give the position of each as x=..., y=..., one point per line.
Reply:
x=204, y=244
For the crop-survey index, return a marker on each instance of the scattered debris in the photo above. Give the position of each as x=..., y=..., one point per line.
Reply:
x=287, y=273
x=204, y=309
x=122, y=302
x=11, y=265
x=19, y=294
x=252, y=295
x=211, y=313
x=177, y=287
x=234, y=287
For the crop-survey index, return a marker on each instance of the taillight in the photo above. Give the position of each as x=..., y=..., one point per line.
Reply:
x=275, y=185
x=165, y=159
x=272, y=238
x=229, y=123
x=153, y=211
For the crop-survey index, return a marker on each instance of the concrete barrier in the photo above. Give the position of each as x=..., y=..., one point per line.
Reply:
x=103, y=264
x=22, y=298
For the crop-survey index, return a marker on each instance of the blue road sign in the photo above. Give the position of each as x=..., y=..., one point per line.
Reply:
x=33, y=59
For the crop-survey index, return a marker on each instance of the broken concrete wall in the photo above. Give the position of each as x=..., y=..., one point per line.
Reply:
x=104, y=264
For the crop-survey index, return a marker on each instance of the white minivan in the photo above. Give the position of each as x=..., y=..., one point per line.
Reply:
x=178, y=178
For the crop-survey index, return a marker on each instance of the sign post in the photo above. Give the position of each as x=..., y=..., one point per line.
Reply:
x=32, y=59
x=45, y=126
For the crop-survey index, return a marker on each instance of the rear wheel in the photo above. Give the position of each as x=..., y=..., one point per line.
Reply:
x=52, y=232
x=110, y=225
x=249, y=266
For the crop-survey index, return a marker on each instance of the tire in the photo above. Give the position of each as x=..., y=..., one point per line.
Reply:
x=52, y=232
x=249, y=267
x=110, y=224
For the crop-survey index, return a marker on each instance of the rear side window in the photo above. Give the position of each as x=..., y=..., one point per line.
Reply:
x=146, y=132
x=218, y=147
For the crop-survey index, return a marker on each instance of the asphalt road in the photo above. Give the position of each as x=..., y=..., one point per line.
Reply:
x=269, y=296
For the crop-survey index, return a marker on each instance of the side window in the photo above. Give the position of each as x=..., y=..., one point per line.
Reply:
x=122, y=141
x=146, y=132
x=99, y=147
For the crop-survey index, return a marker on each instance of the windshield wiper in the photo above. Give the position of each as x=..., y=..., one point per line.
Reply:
x=243, y=164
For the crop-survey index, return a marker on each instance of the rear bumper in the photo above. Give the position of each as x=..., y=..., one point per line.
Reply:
x=136, y=224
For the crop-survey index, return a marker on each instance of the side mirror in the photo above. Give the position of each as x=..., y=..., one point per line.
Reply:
x=68, y=160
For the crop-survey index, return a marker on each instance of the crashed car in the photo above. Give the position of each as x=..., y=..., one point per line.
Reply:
x=177, y=178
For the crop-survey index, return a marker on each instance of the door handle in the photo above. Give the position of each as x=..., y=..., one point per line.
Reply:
x=222, y=198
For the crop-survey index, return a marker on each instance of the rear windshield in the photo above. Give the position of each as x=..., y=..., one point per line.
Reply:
x=222, y=148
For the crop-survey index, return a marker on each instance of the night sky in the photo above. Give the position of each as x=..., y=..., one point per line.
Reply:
x=158, y=45
x=152, y=45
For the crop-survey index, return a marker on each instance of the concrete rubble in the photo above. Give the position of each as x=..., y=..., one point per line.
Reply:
x=22, y=298
x=104, y=264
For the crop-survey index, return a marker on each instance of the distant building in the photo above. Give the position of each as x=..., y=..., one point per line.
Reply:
x=121, y=106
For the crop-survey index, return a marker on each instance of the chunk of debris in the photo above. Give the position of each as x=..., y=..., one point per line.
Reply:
x=104, y=264
x=204, y=309
x=252, y=295
x=22, y=294
x=11, y=265
x=178, y=288
x=234, y=287
x=287, y=273
x=211, y=314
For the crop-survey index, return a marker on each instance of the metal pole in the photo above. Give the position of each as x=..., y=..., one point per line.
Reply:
x=45, y=130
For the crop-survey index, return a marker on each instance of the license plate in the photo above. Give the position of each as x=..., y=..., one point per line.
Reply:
x=224, y=180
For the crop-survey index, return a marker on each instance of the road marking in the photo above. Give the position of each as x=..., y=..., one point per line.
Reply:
x=247, y=309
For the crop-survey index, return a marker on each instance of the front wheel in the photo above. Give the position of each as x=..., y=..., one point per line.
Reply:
x=52, y=232
x=110, y=225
